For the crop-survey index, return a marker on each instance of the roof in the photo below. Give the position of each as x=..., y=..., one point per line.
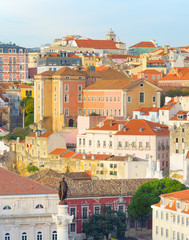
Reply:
x=122, y=56
x=23, y=86
x=180, y=195
x=6, y=85
x=96, y=188
x=109, y=125
x=68, y=155
x=59, y=151
x=3, y=130
x=168, y=106
x=184, y=113
x=144, y=110
x=46, y=135
x=14, y=184
x=143, y=127
x=144, y=44
x=66, y=71
x=155, y=61
x=90, y=156
x=78, y=175
x=109, y=84
x=151, y=71
x=96, y=44
x=187, y=156
x=46, y=73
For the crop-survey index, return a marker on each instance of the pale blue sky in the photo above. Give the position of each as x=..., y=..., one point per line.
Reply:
x=31, y=23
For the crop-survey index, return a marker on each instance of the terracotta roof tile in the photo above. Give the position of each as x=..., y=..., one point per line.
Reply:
x=96, y=44
x=66, y=71
x=150, y=109
x=47, y=134
x=14, y=184
x=180, y=195
x=23, y=86
x=68, y=155
x=89, y=156
x=6, y=85
x=110, y=125
x=59, y=151
x=143, y=127
x=144, y=44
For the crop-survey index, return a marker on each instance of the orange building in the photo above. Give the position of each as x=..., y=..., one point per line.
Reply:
x=151, y=75
x=119, y=97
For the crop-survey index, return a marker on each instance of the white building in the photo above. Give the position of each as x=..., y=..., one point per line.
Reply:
x=3, y=148
x=26, y=208
x=171, y=217
x=136, y=137
x=149, y=114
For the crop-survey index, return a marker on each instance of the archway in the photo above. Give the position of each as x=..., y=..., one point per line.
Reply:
x=71, y=123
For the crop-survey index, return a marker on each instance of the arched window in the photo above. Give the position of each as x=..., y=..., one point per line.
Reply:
x=7, y=236
x=7, y=207
x=39, y=236
x=54, y=235
x=39, y=206
x=24, y=236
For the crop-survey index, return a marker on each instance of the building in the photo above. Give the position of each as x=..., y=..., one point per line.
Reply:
x=26, y=208
x=76, y=43
x=25, y=90
x=177, y=77
x=142, y=47
x=13, y=62
x=55, y=61
x=179, y=147
x=151, y=75
x=86, y=197
x=58, y=98
x=36, y=147
x=149, y=114
x=118, y=98
x=171, y=216
x=136, y=137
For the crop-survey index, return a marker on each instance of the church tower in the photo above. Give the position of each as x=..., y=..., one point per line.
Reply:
x=111, y=35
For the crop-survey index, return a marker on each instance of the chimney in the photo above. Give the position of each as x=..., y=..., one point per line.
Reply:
x=166, y=48
x=38, y=133
x=120, y=127
x=111, y=123
x=18, y=139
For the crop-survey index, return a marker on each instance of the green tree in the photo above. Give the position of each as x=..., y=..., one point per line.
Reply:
x=32, y=168
x=148, y=194
x=28, y=105
x=108, y=222
x=18, y=132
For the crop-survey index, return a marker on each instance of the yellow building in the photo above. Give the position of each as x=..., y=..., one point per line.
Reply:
x=25, y=90
x=89, y=60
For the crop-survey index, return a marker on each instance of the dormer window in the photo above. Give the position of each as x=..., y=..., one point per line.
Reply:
x=186, y=207
x=67, y=77
x=170, y=203
x=178, y=205
x=162, y=202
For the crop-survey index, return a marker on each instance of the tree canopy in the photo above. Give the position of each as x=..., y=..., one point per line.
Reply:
x=148, y=194
x=18, y=132
x=28, y=104
x=108, y=222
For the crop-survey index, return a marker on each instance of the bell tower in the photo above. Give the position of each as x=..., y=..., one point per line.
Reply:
x=111, y=35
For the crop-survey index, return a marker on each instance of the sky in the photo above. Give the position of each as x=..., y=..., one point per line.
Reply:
x=30, y=23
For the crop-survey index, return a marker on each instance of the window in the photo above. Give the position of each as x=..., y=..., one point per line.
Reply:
x=156, y=230
x=72, y=227
x=39, y=236
x=178, y=219
x=178, y=236
x=140, y=145
x=24, y=236
x=129, y=98
x=141, y=100
x=176, y=140
x=182, y=221
x=157, y=214
x=106, y=99
x=39, y=206
x=73, y=212
x=7, y=236
x=97, y=210
x=66, y=98
x=161, y=231
x=174, y=219
x=110, y=99
x=54, y=235
x=85, y=212
x=119, y=144
x=79, y=88
x=167, y=233
x=134, y=145
x=7, y=207
x=154, y=99
x=161, y=215
x=67, y=111
x=80, y=98
x=167, y=216
x=55, y=98
x=66, y=88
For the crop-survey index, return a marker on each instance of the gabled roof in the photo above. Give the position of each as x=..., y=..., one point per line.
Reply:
x=150, y=109
x=144, y=44
x=143, y=127
x=47, y=134
x=151, y=71
x=46, y=73
x=66, y=71
x=68, y=155
x=108, y=84
x=6, y=85
x=23, y=86
x=14, y=184
x=96, y=44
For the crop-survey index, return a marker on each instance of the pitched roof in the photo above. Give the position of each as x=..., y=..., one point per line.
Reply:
x=184, y=113
x=14, y=184
x=143, y=127
x=66, y=71
x=59, y=151
x=122, y=56
x=45, y=74
x=3, y=130
x=108, y=84
x=109, y=125
x=150, y=109
x=156, y=61
x=151, y=71
x=68, y=155
x=90, y=156
x=180, y=195
x=23, y=86
x=78, y=175
x=6, y=85
x=96, y=44
x=47, y=134
x=144, y=44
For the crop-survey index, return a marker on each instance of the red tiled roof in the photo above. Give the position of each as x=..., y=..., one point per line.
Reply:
x=3, y=130
x=72, y=55
x=143, y=127
x=6, y=85
x=96, y=156
x=58, y=151
x=180, y=195
x=150, y=71
x=173, y=207
x=150, y=109
x=96, y=44
x=47, y=134
x=122, y=56
x=155, y=61
x=14, y=184
x=184, y=113
x=66, y=71
x=110, y=125
x=68, y=155
x=168, y=106
x=23, y=86
x=144, y=44
x=187, y=156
